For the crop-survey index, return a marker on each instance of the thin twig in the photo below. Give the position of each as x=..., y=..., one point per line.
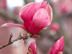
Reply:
x=10, y=42
x=10, y=37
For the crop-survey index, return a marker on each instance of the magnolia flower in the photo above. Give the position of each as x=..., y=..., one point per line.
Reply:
x=32, y=48
x=36, y=16
x=58, y=46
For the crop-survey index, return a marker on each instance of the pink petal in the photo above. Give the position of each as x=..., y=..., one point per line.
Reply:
x=12, y=25
x=58, y=46
x=27, y=14
x=40, y=21
x=50, y=12
x=44, y=4
x=24, y=7
x=33, y=47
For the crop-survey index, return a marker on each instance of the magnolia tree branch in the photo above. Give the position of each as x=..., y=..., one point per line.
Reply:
x=24, y=37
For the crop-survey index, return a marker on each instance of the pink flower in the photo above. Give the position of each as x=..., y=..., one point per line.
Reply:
x=58, y=46
x=33, y=47
x=55, y=27
x=63, y=9
x=36, y=16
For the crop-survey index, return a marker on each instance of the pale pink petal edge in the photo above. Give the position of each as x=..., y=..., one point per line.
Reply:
x=24, y=7
x=13, y=25
x=50, y=12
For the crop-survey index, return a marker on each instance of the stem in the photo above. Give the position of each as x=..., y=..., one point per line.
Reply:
x=10, y=42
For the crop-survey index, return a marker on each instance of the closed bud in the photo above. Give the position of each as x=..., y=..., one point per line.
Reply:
x=58, y=46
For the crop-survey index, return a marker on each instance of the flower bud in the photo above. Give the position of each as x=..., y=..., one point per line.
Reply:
x=36, y=16
x=33, y=47
x=58, y=46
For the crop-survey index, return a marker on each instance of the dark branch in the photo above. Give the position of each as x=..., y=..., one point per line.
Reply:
x=10, y=37
x=12, y=41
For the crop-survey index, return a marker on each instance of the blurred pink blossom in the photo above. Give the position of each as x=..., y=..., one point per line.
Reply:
x=63, y=9
x=55, y=27
x=63, y=6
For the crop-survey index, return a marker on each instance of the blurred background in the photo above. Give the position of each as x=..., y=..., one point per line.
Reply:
x=60, y=26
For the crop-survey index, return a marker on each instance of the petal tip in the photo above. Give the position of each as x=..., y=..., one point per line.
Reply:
x=33, y=42
x=4, y=25
x=44, y=4
x=62, y=38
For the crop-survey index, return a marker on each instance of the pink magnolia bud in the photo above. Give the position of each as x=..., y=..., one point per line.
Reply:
x=36, y=16
x=33, y=47
x=55, y=27
x=58, y=46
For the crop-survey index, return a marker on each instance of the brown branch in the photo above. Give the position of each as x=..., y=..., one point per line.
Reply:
x=10, y=37
x=12, y=41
